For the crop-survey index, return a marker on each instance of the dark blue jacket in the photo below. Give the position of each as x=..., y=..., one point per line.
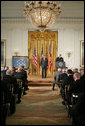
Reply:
x=44, y=64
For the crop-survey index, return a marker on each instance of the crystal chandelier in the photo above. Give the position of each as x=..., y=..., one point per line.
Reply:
x=42, y=13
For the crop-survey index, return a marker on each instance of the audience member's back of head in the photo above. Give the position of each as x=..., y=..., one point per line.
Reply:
x=69, y=72
x=6, y=68
x=75, y=70
x=19, y=70
x=82, y=71
x=63, y=70
x=8, y=72
x=76, y=76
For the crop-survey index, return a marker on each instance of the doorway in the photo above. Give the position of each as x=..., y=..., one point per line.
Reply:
x=42, y=42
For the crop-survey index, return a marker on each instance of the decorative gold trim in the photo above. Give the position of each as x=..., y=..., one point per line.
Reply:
x=4, y=51
x=81, y=51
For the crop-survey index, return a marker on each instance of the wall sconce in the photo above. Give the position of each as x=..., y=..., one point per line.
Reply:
x=69, y=54
x=16, y=51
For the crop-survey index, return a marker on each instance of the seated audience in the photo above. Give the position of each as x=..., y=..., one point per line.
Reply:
x=82, y=79
x=61, y=79
x=13, y=71
x=69, y=79
x=75, y=70
x=20, y=75
x=75, y=86
x=10, y=84
x=3, y=106
x=4, y=71
x=78, y=111
x=25, y=77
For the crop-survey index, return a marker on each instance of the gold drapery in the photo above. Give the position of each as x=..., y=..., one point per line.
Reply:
x=37, y=39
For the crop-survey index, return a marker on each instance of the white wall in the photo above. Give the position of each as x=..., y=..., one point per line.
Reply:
x=70, y=33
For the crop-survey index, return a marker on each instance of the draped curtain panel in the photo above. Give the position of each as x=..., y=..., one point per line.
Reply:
x=41, y=41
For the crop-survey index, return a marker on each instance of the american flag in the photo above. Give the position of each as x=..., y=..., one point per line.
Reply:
x=50, y=62
x=35, y=58
x=42, y=50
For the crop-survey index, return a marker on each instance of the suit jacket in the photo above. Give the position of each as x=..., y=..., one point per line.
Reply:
x=68, y=81
x=59, y=59
x=25, y=75
x=44, y=64
x=62, y=77
x=11, y=80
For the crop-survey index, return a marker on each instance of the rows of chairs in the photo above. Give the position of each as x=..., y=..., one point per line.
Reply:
x=74, y=102
x=9, y=99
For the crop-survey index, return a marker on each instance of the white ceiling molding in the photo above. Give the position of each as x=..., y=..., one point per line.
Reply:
x=60, y=20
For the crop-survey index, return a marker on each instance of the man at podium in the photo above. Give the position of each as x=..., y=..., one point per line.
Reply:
x=59, y=63
x=60, y=58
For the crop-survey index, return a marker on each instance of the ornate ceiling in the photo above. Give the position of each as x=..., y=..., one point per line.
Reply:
x=70, y=9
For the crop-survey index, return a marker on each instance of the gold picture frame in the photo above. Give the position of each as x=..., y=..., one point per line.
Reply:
x=3, y=52
x=82, y=53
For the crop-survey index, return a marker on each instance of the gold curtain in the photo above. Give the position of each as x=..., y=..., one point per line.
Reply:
x=37, y=39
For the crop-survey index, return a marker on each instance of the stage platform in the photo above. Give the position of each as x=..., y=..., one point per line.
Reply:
x=37, y=80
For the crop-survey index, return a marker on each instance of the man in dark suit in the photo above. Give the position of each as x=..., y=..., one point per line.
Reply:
x=20, y=75
x=78, y=111
x=4, y=71
x=24, y=72
x=60, y=58
x=44, y=64
x=66, y=83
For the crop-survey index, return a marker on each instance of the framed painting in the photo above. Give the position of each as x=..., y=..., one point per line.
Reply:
x=82, y=54
x=18, y=61
x=3, y=52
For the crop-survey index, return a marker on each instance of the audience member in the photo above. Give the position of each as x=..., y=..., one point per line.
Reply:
x=61, y=79
x=75, y=86
x=25, y=78
x=55, y=81
x=78, y=111
x=13, y=71
x=11, y=83
x=68, y=81
x=20, y=75
x=82, y=79
x=4, y=71
x=75, y=70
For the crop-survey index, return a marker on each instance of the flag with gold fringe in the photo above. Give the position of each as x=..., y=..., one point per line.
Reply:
x=50, y=62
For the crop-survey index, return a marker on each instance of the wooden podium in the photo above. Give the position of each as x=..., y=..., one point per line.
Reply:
x=60, y=64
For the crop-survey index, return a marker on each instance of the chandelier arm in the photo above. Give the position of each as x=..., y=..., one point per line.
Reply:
x=40, y=16
x=49, y=19
x=33, y=20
